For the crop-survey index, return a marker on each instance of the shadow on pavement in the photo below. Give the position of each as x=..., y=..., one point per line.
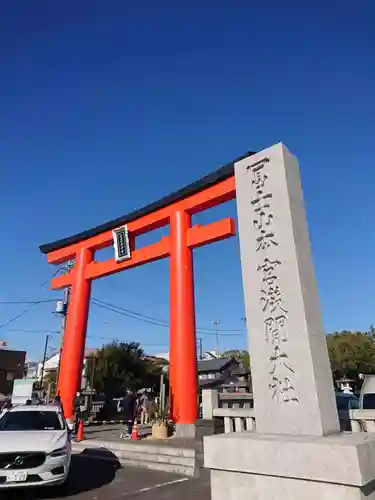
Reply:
x=90, y=470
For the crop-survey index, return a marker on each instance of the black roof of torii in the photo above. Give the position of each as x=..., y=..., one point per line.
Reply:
x=205, y=182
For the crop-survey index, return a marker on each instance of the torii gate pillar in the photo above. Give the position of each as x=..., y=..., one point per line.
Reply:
x=183, y=346
x=72, y=355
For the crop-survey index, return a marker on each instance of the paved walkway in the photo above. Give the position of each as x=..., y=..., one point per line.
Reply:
x=112, y=433
x=95, y=479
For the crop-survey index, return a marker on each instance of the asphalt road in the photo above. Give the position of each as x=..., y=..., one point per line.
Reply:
x=103, y=479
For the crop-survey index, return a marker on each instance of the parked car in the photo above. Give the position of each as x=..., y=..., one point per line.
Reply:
x=35, y=447
x=367, y=397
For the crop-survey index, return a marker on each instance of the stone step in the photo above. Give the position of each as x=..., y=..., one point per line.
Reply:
x=166, y=458
x=173, y=468
x=128, y=445
x=157, y=458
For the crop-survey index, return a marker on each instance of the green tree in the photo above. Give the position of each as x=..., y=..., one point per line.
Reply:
x=119, y=366
x=351, y=353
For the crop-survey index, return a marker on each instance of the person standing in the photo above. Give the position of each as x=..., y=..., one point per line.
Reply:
x=128, y=406
x=5, y=408
x=58, y=402
x=144, y=403
x=77, y=412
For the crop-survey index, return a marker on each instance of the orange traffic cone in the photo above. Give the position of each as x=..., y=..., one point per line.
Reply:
x=135, y=434
x=79, y=436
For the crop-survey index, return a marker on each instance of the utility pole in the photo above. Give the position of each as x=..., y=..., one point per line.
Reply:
x=62, y=309
x=216, y=322
x=44, y=357
x=164, y=372
x=200, y=348
x=93, y=368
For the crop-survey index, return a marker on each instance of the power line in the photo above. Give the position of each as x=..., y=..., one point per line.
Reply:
x=158, y=320
x=113, y=308
x=129, y=311
x=22, y=313
x=128, y=341
x=11, y=302
x=26, y=330
x=118, y=310
x=92, y=337
x=155, y=321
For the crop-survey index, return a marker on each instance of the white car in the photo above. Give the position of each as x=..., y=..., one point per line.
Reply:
x=35, y=447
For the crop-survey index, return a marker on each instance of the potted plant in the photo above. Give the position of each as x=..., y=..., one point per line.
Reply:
x=160, y=425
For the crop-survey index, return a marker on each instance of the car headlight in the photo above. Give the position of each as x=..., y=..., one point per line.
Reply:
x=60, y=452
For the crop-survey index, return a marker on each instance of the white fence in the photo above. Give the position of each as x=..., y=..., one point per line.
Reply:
x=234, y=409
x=237, y=414
x=362, y=420
x=236, y=419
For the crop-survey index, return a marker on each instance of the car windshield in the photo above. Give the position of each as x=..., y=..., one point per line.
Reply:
x=31, y=421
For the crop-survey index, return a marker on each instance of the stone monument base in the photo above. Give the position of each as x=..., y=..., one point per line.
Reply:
x=251, y=466
x=201, y=428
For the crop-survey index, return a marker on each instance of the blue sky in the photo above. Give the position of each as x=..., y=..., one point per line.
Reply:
x=106, y=106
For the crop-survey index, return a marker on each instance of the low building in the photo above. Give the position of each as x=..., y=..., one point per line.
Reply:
x=226, y=374
x=31, y=369
x=51, y=366
x=12, y=366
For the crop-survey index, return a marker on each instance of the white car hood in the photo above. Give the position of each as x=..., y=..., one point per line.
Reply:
x=17, y=441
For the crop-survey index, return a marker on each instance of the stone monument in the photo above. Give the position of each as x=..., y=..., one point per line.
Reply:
x=297, y=451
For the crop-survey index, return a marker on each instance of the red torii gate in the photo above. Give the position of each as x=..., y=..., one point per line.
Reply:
x=176, y=210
